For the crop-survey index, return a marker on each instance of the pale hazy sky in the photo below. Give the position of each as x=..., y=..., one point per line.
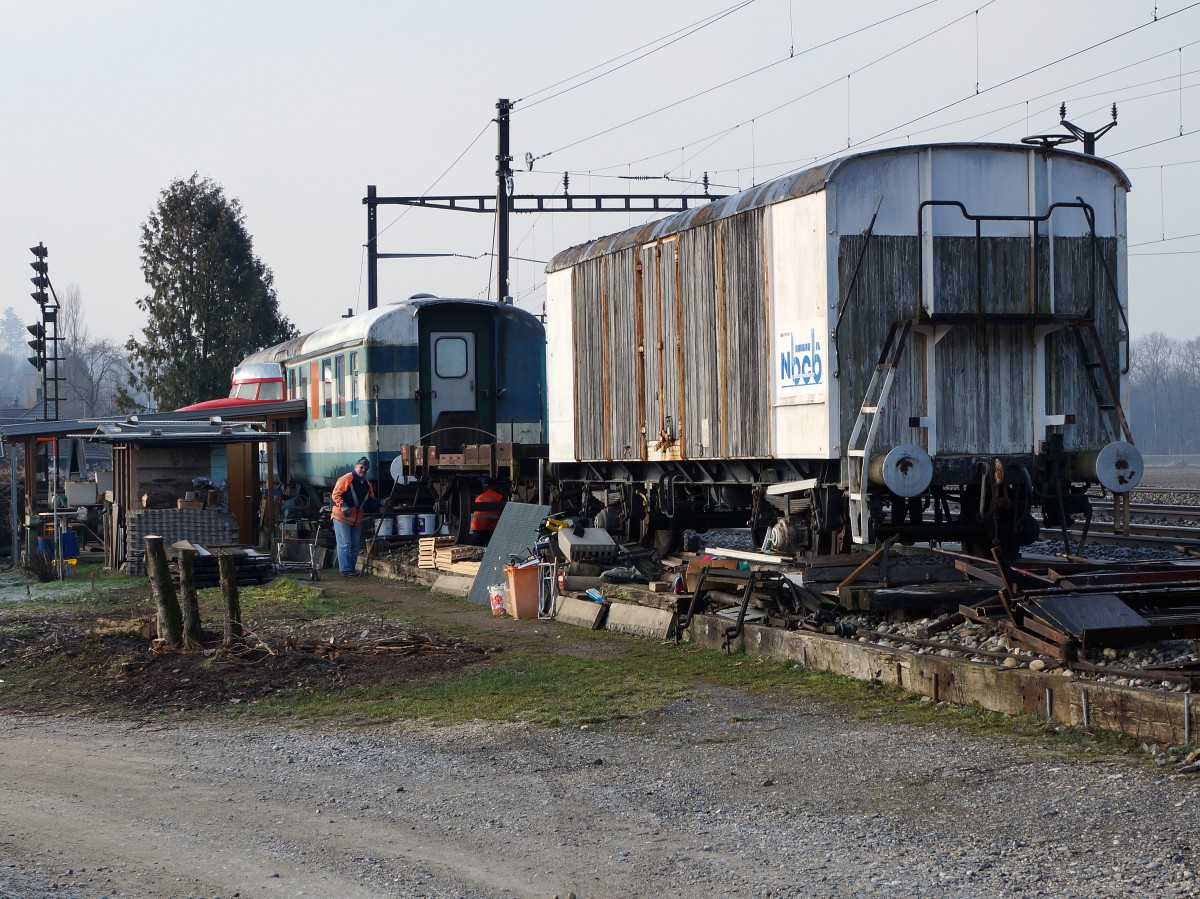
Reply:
x=295, y=107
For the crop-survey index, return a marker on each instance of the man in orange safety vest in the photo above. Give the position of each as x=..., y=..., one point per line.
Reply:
x=485, y=512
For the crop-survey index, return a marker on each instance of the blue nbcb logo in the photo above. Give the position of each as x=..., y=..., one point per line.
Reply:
x=800, y=362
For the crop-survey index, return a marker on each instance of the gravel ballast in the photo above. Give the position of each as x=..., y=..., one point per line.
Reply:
x=719, y=795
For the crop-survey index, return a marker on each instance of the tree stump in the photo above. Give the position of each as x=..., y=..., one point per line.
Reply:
x=187, y=589
x=229, y=593
x=170, y=617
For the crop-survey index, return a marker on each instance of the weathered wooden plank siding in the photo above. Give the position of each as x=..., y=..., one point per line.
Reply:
x=885, y=291
x=698, y=302
x=747, y=356
x=589, y=385
x=621, y=363
x=652, y=343
x=984, y=374
x=1078, y=277
x=671, y=317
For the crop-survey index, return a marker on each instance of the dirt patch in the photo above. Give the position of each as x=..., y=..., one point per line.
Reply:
x=113, y=661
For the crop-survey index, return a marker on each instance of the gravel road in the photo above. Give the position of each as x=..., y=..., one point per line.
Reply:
x=721, y=795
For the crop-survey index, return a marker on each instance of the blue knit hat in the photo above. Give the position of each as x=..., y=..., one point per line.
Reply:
x=363, y=461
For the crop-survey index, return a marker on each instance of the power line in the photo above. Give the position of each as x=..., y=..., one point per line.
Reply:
x=1162, y=240
x=687, y=31
x=1055, y=92
x=1155, y=143
x=439, y=178
x=738, y=78
x=1027, y=73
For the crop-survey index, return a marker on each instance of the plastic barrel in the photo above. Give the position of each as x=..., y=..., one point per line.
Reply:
x=70, y=545
x=426, y=524
x=406, y=525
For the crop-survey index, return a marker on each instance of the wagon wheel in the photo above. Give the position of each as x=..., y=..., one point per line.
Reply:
x=458, y=511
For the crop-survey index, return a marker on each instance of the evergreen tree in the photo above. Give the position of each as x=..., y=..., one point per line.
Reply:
x=212, y=301
x=12, y=333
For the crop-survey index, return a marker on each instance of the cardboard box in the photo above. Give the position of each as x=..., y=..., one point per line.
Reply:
x=189, y=504
x=692, y=575
x=480, y=454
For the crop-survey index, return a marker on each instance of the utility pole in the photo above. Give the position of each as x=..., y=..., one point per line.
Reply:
x=505, y=202
x=503, y=191
x=372, y=248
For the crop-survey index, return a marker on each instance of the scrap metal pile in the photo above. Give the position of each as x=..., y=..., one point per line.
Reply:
x=1137, y=621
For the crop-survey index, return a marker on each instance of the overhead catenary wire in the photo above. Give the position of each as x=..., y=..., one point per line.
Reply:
x=1055, y=92
x=1026, y=74
x=672, y=38
x=890, y=131
x=736, y=79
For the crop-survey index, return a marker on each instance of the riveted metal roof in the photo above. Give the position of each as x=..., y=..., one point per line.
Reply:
x=788, y=187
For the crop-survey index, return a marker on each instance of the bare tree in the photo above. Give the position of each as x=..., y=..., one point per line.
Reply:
x=1152, y=356
x=92, y=369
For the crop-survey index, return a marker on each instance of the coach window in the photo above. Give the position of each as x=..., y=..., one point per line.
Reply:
x=327, y=388
x=303, y=392
x=354, y=383
x=339, y=383
x=450, y=357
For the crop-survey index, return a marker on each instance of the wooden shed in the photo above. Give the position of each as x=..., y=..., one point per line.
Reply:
x=203, y=478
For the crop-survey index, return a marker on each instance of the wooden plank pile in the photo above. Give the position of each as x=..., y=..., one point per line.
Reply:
x=443, y=554
x=427, y=551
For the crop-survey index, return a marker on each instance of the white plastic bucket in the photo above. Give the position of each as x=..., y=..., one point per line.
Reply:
x=427, y=524
x=386, y=528
x=405, y=525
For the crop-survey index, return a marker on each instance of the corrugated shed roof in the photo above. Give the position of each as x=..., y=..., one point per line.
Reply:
x=257, y=411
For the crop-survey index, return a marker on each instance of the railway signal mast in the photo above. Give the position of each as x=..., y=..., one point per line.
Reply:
x=45, y=332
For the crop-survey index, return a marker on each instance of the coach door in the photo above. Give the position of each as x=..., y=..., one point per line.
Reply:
x=457, y=396
x=451, y=372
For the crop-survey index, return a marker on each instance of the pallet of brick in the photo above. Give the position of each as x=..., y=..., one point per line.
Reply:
x=206, y=527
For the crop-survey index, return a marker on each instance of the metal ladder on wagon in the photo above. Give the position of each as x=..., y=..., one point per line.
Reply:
x=866, y=426
x=1108, y=401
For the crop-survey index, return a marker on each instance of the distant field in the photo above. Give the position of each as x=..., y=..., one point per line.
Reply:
x=1181, y=474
